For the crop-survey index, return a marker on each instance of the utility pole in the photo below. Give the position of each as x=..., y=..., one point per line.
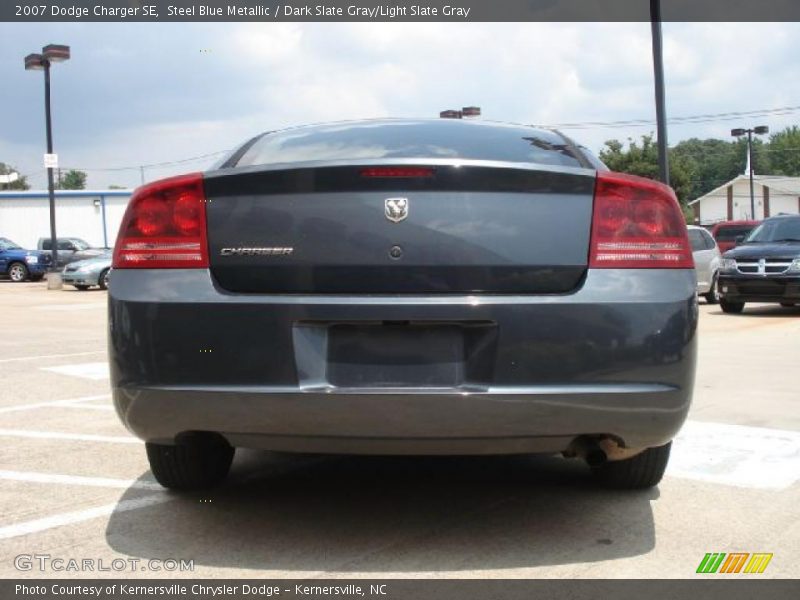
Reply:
x=658, y=72
x=750, y=164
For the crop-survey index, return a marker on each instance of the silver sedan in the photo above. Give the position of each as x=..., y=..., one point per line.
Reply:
x=85, y=273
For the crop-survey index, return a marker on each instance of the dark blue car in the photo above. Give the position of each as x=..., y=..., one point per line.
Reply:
x=404, y=287
x=19, y=264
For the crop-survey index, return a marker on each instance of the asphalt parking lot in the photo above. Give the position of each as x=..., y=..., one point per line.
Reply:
x=74, y=484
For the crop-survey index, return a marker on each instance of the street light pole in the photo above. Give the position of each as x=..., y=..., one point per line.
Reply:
x=41, y=62
x=760, y=130
x=50, y=187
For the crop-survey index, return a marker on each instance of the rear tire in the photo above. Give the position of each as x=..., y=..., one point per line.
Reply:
x=192, y=464
x=731, y=307
x=18, y=272
x=712, y=297
x=642, y=471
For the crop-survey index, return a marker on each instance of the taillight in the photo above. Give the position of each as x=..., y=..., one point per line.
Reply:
x=164, y=226
x=637, y=224
x=397, y=172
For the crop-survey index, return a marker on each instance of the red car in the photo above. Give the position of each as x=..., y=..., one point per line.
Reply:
x=726, y=232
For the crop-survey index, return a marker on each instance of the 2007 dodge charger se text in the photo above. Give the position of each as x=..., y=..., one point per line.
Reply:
x=404, y=287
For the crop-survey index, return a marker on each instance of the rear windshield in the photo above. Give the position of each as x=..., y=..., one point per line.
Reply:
x=412, y=139
x=729, y=234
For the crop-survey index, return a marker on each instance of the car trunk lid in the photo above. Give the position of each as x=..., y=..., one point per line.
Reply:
x=465, y=227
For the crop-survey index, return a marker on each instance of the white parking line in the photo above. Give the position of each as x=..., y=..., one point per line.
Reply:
x=69, y=307
x=104, y=482
x=45, y=356
x=753, y=457
x=77, y=437
x=95, y=370
x=70, y=518
x=71, y=402
x=83, y=406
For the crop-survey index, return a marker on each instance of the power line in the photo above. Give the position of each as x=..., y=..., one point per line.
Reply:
x=688, y=119
x=703, y=118
x=701, y=153
x=168, y=163
x=134, y=167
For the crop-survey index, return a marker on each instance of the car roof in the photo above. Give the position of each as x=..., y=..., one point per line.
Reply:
x=735, y=223
x=782, y=216
x=480, y=123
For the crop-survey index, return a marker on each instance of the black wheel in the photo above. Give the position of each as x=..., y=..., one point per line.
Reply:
x=731, y=307
x=787, y=304
x=81, y=288
x=17, y=272
x=712, y=297
x=192, y=464
x=642, y=471
x=102, y=280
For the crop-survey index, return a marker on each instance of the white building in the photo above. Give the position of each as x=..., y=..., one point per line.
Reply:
x=92, y=215
x=773, y=194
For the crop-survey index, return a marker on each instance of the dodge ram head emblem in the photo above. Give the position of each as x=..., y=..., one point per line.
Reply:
x=396, y=209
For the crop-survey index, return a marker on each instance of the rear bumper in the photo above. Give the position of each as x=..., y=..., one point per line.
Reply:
x=617, y=357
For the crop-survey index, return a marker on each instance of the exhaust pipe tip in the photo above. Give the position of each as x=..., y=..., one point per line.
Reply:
x=589, y=450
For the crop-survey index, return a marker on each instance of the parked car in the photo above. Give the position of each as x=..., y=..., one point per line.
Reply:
x=404, y=287
x=83, y=274
x=765, y=267
x=70, y=249
x=19, y=264
x=728, y=233
x=706, y=262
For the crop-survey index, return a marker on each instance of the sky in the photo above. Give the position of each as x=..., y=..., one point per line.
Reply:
x=142, y=94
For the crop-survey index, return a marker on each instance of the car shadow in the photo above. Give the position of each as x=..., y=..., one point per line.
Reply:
x=761, y=310
x=391, y=514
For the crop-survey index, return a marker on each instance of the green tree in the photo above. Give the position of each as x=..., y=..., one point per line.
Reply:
x=641, y=158
x=19, y=184
x=713, y=162
x=73, y=180
x=784, y=152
